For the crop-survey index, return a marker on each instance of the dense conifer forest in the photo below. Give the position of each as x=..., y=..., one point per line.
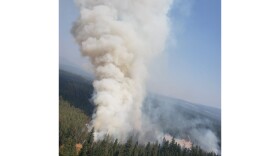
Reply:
x=74, y=140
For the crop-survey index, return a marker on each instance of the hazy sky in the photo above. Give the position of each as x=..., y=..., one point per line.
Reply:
x=190, y=67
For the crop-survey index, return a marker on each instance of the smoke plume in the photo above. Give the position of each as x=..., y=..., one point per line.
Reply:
x=120, y=37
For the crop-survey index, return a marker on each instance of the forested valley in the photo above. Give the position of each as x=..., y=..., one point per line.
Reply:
x=75, y=140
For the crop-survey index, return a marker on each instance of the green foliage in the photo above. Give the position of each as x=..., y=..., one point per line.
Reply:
x=72, y=129
x=71, y=122
x=68, y=148
x=88, y=145
x=108, y=147
x=128, y=147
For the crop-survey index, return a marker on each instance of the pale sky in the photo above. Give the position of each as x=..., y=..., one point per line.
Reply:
x=190, y=67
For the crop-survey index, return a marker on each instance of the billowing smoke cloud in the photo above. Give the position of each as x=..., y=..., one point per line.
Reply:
x=120, y=37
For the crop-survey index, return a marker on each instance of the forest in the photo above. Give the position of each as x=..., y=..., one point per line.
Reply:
x=75, y=140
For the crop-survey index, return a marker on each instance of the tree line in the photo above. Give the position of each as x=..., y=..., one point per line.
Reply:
x=74, y=140
x=110, y=147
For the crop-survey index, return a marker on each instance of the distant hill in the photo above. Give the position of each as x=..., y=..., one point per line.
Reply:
x=195, y=110
x=77, y=90
x=75, y=70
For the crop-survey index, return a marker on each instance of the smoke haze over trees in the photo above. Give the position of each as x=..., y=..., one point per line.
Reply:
x=200, y=124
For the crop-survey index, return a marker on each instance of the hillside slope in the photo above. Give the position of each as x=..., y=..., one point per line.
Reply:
x=77, y=90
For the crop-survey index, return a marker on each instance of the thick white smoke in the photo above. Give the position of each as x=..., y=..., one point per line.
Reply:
x=120, y=37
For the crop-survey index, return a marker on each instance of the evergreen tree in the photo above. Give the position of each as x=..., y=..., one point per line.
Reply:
x=87, y=148
x=68, y=149
x=128, y=147
x=148, y=149
x=165, y=147
x=172, y=147
x=135, y=149
x=154, y=150
x=115, y=146
x=184, y=152
x=158, y=149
